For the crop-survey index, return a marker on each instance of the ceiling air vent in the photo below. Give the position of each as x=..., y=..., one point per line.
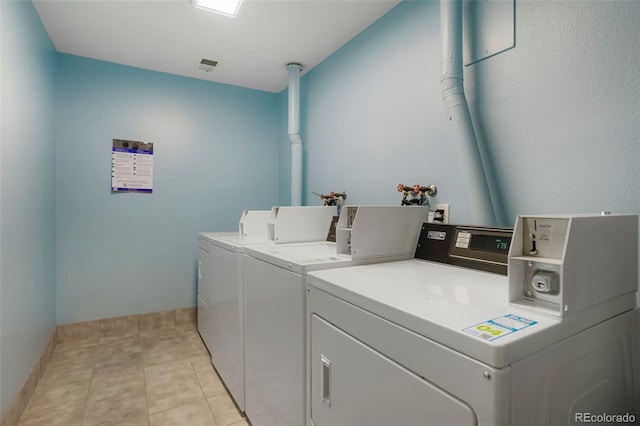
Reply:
x=206, y=65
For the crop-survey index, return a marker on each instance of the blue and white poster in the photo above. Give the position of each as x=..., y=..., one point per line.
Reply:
x=131, y=166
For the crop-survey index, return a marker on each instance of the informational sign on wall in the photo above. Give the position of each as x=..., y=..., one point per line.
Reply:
x=131, y=166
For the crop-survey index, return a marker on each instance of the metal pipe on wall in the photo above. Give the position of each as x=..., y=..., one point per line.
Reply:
x=294, y=133
x=472, y=171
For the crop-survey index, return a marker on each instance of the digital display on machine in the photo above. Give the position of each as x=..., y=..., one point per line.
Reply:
x=493, y=243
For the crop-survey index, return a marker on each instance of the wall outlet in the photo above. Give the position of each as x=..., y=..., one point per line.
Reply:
x=441, y=214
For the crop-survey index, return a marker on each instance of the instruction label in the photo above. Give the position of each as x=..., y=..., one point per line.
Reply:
x=498, y=327
x=131, y=166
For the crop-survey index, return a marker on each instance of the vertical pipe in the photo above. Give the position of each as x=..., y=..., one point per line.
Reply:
x=472, y=172
x=294, y=133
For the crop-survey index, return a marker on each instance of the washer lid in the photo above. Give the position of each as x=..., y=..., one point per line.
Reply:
x=460, y=308
x=301, y=257
x=232, y=241
x=213, y=236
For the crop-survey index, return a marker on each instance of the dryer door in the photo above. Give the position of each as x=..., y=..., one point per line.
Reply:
x=344, y=392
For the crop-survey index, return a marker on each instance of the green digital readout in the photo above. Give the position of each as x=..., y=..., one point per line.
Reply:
x=490, y=243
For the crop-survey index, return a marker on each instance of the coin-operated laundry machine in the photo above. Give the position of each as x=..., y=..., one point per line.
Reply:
x=221, y=283
x=252, y=228
x=275, y=303
x=447, y=338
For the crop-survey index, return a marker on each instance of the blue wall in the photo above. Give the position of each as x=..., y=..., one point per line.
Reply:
x=372, y=115
x=27, y=200
x=559, y=113
x=215, y=154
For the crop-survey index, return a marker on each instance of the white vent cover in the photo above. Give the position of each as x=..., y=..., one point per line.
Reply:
x=206, y=65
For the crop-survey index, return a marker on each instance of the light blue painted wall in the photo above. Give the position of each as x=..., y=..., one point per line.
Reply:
x=559, y=113
x=373, y=117
x=216, y=153
x=27, y=195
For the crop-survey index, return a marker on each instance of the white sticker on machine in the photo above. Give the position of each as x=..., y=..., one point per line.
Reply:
x=499, y=327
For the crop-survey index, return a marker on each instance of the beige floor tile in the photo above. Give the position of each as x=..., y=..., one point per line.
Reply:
x=118, y=409
x=54, y=376
x=181, y=346
x=196, y=414
x=186, y=317
x=84, y=331
x=66, y=417
x=73, y=358
x=111, y=384
x=171, y=385
x=178, y=335
x=117, y=355
x=167, y=373
x=224, y=410
x=123, y=326
x=74, y=346
x=138, y=421
x=119, y=344
x=57, y=395
x=210, y=383
x=166, y=319
x=122, y=341
x=201, y=362
x=160, y=355
x=130, y=377
x=241, y=423
x=173, y=395
x=116, y=363
x=150, y=339
x=195, y=344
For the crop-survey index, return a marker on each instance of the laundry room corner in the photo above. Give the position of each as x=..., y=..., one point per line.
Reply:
x=215, y=147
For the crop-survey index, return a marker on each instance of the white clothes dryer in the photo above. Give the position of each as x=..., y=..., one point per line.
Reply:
x=221, y=284
x=448, y=339
x=275, y=302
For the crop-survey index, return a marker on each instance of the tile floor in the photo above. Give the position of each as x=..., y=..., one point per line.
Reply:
x=151, y=377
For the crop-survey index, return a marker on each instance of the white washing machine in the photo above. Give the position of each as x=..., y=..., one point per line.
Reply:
x=448, y=339
x=206, y=242
x=220, y=296
x=275, y=302
x=221, y=284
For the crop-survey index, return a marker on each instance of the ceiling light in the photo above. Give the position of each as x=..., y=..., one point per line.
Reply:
x=225, y=7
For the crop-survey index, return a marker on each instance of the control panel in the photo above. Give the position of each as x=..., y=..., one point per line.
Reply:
x=475, y=247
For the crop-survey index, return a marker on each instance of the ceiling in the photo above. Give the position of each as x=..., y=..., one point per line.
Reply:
x=252, y=48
